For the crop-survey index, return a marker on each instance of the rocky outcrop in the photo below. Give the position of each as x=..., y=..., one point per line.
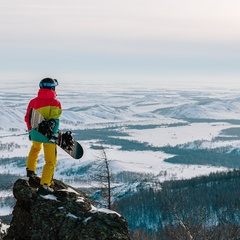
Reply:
x=65, y=214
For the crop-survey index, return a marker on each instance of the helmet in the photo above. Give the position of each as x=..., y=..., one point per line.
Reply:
x=48, y=83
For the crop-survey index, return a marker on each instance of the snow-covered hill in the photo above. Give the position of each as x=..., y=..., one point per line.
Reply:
x=151, y=117
x=155, y=116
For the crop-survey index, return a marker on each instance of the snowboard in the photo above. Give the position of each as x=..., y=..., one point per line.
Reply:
x=75, y=151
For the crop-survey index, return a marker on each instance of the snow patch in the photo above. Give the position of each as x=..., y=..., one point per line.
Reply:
x=103, y=210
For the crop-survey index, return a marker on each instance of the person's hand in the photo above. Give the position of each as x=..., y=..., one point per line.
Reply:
x=29, y=136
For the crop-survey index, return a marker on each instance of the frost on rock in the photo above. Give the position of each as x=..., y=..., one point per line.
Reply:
x=3, y=229
x=103, y=210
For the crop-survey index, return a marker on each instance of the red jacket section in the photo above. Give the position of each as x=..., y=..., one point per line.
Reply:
x=46, y=104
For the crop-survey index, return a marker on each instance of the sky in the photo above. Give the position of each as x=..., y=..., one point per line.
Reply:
x=120, y=40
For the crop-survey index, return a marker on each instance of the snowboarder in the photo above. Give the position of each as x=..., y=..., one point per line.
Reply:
x=50, y=108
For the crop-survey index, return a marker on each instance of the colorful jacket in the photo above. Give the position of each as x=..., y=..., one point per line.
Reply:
x=48, y=106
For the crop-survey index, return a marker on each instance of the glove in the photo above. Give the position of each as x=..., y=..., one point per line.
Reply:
x=29, y=135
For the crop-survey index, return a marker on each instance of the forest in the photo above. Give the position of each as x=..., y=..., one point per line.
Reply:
x=205, y=207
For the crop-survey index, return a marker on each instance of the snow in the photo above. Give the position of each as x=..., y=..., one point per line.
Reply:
x=71, y=215
x=87, y=219
x=50, y=197
x=103, y=210
x=166, y=109
x=5, y=210
x=101, y=108
x=179, y=135
x=4, y=228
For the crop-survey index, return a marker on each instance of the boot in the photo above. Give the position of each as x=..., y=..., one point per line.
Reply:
x=45, y=190
x=31, y=173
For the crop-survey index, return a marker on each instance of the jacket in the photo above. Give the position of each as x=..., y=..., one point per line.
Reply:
x=48, y=106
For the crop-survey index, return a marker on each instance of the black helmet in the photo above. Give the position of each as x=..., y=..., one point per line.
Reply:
x=48, y=83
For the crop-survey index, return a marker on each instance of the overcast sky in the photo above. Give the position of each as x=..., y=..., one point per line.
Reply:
x=120, y=40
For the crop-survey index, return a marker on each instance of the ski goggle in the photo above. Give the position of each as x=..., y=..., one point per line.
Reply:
x=43, y=84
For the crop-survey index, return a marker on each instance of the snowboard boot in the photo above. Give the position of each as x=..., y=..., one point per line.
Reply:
x=31, y=174
x=45, y=190
x=34, y=179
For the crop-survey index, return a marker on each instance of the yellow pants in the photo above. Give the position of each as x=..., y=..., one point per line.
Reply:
x=50, y=156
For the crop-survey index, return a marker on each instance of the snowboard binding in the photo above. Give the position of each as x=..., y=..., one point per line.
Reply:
x=67, y=141
x=45, y=127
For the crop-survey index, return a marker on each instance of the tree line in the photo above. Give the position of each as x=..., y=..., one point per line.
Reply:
x=199, y=208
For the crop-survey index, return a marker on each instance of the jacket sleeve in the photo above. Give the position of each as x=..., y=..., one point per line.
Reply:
x=27, y=117
x=55, y=114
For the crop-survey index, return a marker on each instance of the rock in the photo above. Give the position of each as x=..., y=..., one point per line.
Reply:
x=66, y=214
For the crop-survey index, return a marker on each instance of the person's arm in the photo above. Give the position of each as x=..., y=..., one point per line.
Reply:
x=27, y=117
x=55, y=114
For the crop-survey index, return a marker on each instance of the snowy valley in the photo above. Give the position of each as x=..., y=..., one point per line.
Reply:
x=147, y=133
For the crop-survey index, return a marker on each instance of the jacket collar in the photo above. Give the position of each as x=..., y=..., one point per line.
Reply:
x=46, y=93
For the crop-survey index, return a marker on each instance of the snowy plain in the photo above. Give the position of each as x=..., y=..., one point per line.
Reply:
x=157, y=115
